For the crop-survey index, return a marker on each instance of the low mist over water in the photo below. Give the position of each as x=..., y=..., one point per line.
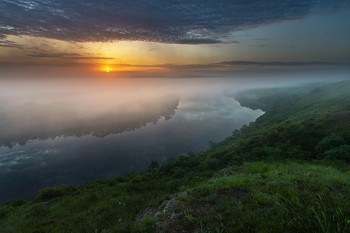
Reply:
x=73, y=131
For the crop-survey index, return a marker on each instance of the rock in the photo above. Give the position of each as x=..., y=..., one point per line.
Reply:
x=158, y=213
x=170, y=203
x=173, y=216
x=148, y=211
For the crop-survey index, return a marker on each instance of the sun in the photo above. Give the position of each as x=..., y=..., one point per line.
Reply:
x=107, y=69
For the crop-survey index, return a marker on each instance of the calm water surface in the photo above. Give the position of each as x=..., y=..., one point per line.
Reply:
x=63, y=132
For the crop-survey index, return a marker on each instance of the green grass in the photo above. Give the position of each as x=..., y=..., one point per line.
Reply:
x=275, y=197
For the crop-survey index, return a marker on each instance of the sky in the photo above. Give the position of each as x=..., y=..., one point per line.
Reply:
x=182, y=37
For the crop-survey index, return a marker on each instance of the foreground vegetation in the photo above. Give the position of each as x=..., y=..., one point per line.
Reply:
x=286, y=172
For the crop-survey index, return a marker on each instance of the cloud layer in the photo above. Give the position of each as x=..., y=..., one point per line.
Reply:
x=171, y=21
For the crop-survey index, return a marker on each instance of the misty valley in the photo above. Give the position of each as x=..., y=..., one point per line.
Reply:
x=100, y=131
x=172, y=154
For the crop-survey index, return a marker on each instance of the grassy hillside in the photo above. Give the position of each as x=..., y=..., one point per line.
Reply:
x=287, y=172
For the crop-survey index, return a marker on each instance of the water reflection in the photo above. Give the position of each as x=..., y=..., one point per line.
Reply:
x=44, y=116
x=74, y=134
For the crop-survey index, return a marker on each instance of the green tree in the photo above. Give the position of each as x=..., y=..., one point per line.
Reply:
x=341, y=152
x=328, y=143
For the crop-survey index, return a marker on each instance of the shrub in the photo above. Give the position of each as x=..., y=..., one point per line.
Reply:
x=273, y=152
x=59, y=191
x=48, y=193
x=146, y=224
x=329, y=142
x=179, y=172
x=168, y=165
x=340, y=152
x=136, y=178
x=296, y=152
x=153, y=165
x=15, y=202
x=211, y=163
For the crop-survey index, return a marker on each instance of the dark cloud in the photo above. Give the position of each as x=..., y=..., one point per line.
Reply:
x=91, y=58
x=277, y=63
x=171, y=21
x=9, y=44
x=229, y=65
x=53, y=55
x=65, y=55
x=199, y=41
x=261, y=39
x=234, y=64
